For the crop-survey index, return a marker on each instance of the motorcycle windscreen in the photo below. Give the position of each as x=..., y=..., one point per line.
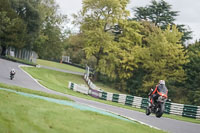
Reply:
x=162, y=89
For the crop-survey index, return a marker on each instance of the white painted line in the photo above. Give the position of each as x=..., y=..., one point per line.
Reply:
x=32, y=77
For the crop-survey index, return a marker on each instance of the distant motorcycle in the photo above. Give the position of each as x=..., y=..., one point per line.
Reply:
x=159, y=105
x=12, y=74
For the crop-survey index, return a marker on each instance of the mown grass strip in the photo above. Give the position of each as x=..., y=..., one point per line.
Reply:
x=20, y=89
x=59, y=65
x=20, y=114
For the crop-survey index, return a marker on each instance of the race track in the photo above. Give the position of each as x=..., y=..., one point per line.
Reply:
x=22, y=79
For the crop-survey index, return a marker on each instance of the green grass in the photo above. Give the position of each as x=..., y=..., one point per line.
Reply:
x=107, y=88
x=20, y=89
x=72, y=68
x=55, y=80
x=180, y=118
x=21, y=114
x=60, y=66
x=58, y=81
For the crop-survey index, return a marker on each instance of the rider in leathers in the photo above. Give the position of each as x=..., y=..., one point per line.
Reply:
x=159, y=88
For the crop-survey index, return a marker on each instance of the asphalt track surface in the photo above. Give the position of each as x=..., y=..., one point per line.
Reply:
x=23, y=79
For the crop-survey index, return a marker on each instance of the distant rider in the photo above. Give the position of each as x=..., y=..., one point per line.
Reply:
x=12, y=72
x=159, y=90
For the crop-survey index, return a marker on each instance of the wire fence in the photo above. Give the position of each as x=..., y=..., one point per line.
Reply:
x=24, y=54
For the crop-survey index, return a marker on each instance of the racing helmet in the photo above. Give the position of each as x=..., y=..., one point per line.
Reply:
x=162, y=82
x=13, y=70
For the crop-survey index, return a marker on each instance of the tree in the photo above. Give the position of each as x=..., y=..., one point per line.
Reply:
x=112, y=39
x=50, y=15
x=136, y=81
x=158, y=12
x=97, y=23
x=12, y=30
x=187, y=33
x=29, y=13
x=49, y=44
x=161, y=14
x=166, y=57
x=193, y=73
x=74, y=45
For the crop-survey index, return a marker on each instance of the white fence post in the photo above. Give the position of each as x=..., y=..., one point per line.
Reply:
x=137, y=101
x=176, y=109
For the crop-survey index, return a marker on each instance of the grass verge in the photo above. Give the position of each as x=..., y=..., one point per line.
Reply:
x=58, y=81
x=59, y=65
x=20, y=89
x=107, y=88
x=21, y=114
x=72, y=68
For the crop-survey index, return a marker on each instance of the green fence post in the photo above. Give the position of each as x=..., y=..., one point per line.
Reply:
x=190, y=111
x=72, y=86
x=115, y=98
x=104, y=95
x=144, y=103
x=167, y=107
x=129, y=100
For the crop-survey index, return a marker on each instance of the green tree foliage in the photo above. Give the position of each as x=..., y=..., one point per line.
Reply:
x=160, y=13
x=33, y=24
x=130, y=48
x=193, y=73
x=12, y=28
x=157, y=12
x=28, y=12
x=166, y=57
x=110, y=37
x=163, y=59
x=49, y=13
x=187, y=34
x=12, y=31
x=97, y=23
x=74, y=48
x=113, y=40
x=135, y=82
x=49, y=45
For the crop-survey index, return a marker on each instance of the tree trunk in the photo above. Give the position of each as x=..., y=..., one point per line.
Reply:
x=3, y=52
x=96, y=75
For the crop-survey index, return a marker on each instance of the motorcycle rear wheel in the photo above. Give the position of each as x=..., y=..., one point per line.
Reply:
x=11, y=77
x=148, y=111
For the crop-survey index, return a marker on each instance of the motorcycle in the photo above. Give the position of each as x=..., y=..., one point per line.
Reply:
x=12, y=73
x=158, y=106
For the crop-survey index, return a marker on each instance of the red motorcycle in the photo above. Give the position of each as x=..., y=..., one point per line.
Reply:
x=158, y=106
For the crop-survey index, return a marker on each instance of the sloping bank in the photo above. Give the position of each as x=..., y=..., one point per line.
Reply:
x=68, y=103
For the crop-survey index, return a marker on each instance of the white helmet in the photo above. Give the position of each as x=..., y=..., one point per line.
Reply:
x=13, y=70
x=162, y=82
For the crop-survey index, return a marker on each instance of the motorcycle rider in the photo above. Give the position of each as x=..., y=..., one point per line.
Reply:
x=12, y=72
x=157, y=91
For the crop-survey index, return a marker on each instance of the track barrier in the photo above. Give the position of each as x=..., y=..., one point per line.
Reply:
x=135, y=101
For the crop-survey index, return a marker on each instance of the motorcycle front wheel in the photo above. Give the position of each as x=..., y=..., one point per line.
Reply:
x=148, y=111
x=160, y=111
